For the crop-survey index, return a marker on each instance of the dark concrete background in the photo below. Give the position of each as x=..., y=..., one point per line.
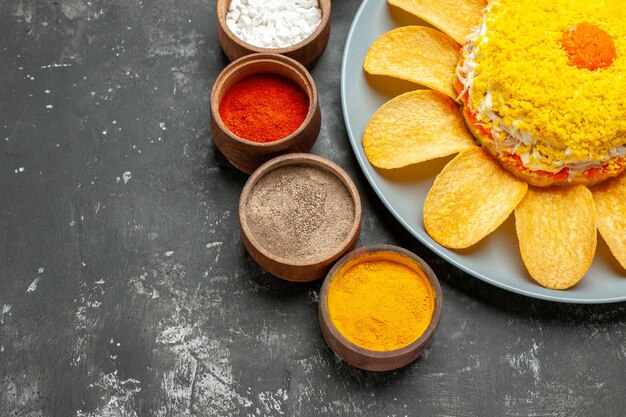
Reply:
x=119, y=215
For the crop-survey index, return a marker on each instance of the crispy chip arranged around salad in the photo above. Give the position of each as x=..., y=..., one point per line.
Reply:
x=415, y=127
x=418, y=54
x=557, y=234
x=610, y=200
x=470, y=198
x=454, y=17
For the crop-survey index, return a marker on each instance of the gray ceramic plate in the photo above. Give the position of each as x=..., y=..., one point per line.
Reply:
x=496, y=259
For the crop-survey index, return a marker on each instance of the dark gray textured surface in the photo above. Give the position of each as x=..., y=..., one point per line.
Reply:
x=147, y=304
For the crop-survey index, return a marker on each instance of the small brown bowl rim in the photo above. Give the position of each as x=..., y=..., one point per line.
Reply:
x=324, y=6
x=301, y=159
x=249, y=60
x=392, y=356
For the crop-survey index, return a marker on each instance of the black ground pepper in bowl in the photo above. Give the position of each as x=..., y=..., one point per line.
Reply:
x=298, y=214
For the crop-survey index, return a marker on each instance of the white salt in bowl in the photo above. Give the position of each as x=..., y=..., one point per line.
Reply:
x=306, y=52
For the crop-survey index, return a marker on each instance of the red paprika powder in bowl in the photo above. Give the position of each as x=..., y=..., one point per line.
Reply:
x=262, y=106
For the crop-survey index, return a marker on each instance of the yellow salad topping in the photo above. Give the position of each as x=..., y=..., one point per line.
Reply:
x=556, y=70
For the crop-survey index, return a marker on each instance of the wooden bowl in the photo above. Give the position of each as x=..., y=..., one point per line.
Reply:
x=369, y=359
x=247, y=155
x=298, y=270
x=306, y=52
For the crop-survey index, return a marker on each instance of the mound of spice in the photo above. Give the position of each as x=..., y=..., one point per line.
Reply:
x=273, y=23
x=381, y=301
x=300, y=213
x=264, y=108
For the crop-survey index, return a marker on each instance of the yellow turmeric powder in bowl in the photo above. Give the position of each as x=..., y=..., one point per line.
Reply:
x=380, y=307
x=380, y=303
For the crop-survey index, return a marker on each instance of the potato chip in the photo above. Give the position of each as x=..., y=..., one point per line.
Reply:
x=415, y=127
x=470, y=198
x=610, y=200
x=418, y=54
x=454, y=17
x=557, y=234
